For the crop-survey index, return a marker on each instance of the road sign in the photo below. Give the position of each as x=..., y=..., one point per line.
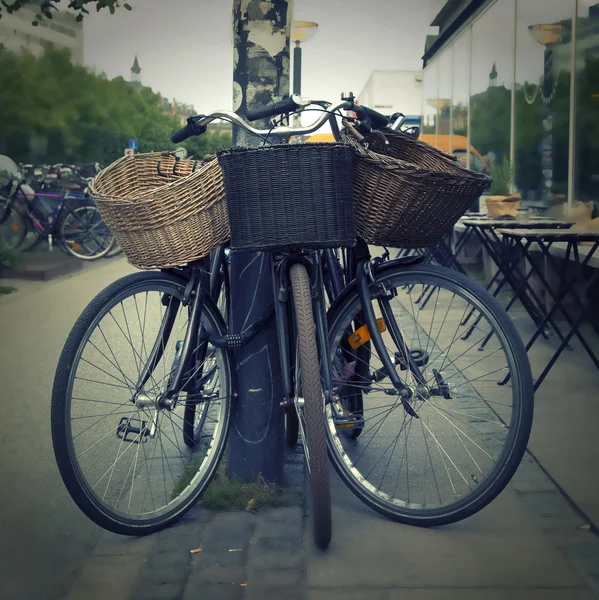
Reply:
x=133, y=144
x=129, y=152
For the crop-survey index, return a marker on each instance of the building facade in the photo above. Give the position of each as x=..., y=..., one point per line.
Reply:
x=389, y=92
x=62, y=31
x=519, y=80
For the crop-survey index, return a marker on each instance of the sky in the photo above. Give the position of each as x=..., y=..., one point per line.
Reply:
x=185, y=51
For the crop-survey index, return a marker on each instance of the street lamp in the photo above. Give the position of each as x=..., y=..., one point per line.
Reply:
x=548, y=35
x=301, y=31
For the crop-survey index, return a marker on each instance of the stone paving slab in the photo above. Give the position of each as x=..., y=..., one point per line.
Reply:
x=450, y=594
x=499, y=546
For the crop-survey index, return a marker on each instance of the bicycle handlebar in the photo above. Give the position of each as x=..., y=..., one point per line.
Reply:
x=283, y=107
x=369, y=118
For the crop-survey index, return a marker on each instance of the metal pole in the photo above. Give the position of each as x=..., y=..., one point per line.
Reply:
x=260, y=75
x=297, y=78
x=297, y=69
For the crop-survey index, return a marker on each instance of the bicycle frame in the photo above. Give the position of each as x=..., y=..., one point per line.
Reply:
x=45, y=225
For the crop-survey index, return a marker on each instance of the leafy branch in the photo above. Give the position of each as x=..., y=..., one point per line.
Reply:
x=46, y=8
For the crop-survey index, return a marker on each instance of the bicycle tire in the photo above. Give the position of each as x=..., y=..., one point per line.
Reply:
x=481, y=489
x=101, y=244
x=14, y=225
x=189, y=472
x=318, y=465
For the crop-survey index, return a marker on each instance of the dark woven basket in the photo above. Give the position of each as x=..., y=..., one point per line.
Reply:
x=289, y=196
x=408, y=194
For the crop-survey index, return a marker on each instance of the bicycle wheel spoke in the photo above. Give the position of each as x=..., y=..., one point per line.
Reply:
x=467, y=424
x=128, y=451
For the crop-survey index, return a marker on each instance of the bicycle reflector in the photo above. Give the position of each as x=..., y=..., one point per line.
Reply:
x=361, y=335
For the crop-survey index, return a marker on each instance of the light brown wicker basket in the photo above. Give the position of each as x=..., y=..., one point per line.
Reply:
x=163, y=211
x=408, y=194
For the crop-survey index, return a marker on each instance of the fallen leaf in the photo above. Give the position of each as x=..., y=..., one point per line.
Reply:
x=243, y=585
x=195, y=550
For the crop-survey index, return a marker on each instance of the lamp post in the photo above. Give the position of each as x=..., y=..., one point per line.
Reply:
x=301, y=31
x=548, y=35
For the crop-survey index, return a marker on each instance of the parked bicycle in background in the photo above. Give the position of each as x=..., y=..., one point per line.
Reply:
x=66, y=218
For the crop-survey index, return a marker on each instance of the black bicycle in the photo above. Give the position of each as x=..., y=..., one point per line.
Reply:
x=413, y=418
x=68, y=219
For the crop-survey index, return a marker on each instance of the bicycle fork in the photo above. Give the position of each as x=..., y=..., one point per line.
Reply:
x=369, y=289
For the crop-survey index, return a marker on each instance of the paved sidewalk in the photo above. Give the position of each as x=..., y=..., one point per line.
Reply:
x=528, y=545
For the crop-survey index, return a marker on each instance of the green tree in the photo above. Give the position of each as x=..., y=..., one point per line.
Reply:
x=82, y=116
x=80, y=7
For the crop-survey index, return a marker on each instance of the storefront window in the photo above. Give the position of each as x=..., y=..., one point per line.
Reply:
x=460, y=101
x=429, y=110
x=586, y=180
x=543, y=50
x=444, y=100
x=491, y=83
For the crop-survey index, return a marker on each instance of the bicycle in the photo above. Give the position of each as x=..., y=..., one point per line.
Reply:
x=360, y=376
x=68, y=219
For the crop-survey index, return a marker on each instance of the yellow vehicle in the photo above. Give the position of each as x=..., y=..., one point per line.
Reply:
x=443, y=141
x=459, y=143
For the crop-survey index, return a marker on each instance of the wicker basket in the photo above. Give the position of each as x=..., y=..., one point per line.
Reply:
x=289, y=196
x=408, y=194
x=163, y=211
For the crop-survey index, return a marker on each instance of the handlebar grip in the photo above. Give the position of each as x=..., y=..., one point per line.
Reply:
x=376, y=117
x=181, y=134
x=270, y=110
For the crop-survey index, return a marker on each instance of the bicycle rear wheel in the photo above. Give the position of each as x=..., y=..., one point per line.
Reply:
x=469, y=433
x=313, y=407
x=84, y=234
x=122, y=453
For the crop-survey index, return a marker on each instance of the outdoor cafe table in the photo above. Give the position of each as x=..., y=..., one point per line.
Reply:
x=487, y=231
x=570, y=277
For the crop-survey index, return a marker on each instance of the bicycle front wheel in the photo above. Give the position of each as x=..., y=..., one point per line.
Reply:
x=466, y=434
x=84, y=234
x=121, y=451
x=313, y=407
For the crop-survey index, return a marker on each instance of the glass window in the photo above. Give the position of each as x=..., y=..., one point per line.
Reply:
x=543, y=46
x=586, y=182
x=444, y=101
x=491, y=83
x=461, y=96
x=431, y=95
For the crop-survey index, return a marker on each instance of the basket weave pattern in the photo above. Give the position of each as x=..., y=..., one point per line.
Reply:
x=408, y=194
x=289, y=196
x=163, y=211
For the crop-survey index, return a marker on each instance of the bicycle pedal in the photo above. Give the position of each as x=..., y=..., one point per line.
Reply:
x=125, y=428
x=348, y=421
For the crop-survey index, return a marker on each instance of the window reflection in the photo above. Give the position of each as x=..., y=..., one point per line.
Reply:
x=543, y=46
x=444, y=100
x=460, y=102
x=586, y=186
x=491, y=83
x=429, y=110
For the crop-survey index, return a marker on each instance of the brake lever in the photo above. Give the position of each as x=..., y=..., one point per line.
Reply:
x=378, y=133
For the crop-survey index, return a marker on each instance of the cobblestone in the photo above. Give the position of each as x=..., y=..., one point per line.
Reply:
x=163, y=591
x=197, y=591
